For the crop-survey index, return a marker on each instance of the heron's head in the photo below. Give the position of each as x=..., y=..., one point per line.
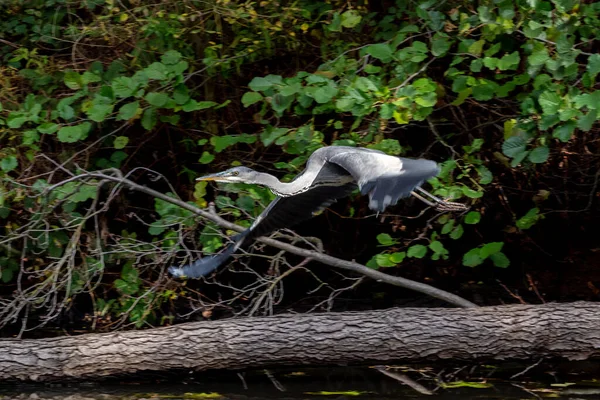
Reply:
x=237, y=174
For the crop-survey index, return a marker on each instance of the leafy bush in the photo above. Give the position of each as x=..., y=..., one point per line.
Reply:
x=503, y=95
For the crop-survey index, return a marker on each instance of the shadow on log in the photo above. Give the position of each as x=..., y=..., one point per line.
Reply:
x=517, y=332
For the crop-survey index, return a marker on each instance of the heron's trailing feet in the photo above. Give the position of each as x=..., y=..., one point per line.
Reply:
x=331, y=173
x=439, y=204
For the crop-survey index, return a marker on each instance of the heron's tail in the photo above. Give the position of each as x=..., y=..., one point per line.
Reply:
x=206, y=265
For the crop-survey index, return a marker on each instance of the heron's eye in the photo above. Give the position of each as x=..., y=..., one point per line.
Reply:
x=235, y=173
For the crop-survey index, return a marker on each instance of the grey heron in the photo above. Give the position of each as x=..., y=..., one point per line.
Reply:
x=331, y=173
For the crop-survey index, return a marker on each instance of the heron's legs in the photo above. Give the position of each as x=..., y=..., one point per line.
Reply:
x=423, y=199
x=437, y=203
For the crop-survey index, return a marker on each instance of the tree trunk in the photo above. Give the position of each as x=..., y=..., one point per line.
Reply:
x=522, y=332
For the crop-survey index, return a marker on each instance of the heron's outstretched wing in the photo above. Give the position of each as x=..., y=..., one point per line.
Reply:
x=283, y=212
x=385, y=178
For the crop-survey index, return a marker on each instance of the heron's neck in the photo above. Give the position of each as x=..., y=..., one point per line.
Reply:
x=283, y=189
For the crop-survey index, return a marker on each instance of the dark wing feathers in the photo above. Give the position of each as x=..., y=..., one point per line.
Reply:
x=283, y=212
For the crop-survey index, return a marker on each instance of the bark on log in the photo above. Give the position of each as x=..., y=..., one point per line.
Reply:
x=522, y=332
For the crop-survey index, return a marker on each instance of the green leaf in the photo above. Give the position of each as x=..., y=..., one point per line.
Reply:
x=16, y=120
x=424, y=85
x=65, y=111
x=8, y=163
x=123, y=87
x=99, y=111
x=194, y=105
x=529, y=219
x=490, y=62
x=568, y=114
x=518, y=158
x=120, y=142
x=493, y=50
x=149, y=118
x=593, y=65
x=170, y=57
x=589, y=100
x=439, y=45
x=73, y=80
x=384, y=260
x=538, y=57
x=290, y=89
x=426, y=100
x=385, y=240
x=586, y=122
x=509, y=61
x=260, y=84
x=156, y=71
x=539, y=155
x=280, y=103
x=128, y=111
x=457, y=232
x=448, y=226
x=485, y=175
x=397, y=257
x=206, y=158
x=270, y=135
x=380, y=51
x=473, y=194
x=72, y=134
x=345, y=103
x=462, y=96
x=550, y=102
x=476, y=65
x=388, y=146
x=126, y=287
x=48, y=128
x=472, y=217
x=250, y=98
x=476, y=47
x=500, y=260
x=513, y=146
x=350, y=18
x=29, y=137
x=220, y=143
x=485, y=90
x=157, y=99
x=181, y=94
x=437, y=247
x=472, y=258
x=490, y=248
x=90, y=77
x=417, y=251
x=84, y=193
x=324, y=94
x=564, y=131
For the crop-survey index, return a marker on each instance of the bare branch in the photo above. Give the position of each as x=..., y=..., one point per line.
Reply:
x=117, y=176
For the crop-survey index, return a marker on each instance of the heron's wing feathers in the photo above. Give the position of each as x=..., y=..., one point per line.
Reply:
x=385, y=178
x=283, y=212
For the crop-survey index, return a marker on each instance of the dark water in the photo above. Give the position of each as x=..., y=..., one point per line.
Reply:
x=334, y=383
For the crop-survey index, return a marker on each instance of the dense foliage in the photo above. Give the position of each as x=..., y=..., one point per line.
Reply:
x=502, y=93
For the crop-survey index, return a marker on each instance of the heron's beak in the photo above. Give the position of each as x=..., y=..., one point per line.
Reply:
x=211, y=177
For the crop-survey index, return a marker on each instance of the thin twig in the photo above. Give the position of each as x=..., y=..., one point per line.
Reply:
x=403, y=378
x=413, y=76
x=527, y=369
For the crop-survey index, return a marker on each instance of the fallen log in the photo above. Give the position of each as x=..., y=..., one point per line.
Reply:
x=518, y=332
